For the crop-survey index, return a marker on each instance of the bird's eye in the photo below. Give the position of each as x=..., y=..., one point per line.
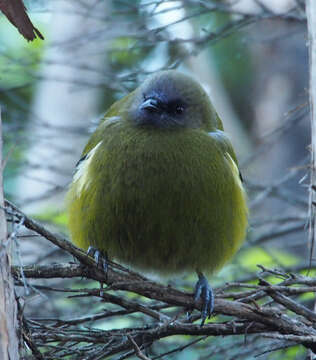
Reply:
x=179, y=109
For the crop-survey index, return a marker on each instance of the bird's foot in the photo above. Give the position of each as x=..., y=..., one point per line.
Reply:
x=100, y=258
x=204, y=292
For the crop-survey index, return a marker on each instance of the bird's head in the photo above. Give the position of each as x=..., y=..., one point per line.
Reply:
x=171, y=100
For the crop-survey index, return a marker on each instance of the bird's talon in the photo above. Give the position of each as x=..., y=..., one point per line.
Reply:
x=100, y=258
x=204, y=292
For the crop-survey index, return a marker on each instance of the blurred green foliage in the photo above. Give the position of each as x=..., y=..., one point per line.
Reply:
x=19, y=63
x=233, y=61
x=56, y=218
x=126, y=53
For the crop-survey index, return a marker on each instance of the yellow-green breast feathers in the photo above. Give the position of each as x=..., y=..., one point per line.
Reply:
x=158, y=185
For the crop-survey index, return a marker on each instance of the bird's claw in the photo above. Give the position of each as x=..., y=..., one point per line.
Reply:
x=204, y=292
x=100, y=258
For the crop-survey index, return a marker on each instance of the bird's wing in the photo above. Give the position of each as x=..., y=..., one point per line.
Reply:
x=80, y=175
x=113, y=115
x=226, y=146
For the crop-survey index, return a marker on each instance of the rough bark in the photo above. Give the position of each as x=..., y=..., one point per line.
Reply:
x=9, y=343
x=311, y=24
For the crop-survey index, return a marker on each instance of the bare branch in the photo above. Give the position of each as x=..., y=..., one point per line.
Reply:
x=247, y=317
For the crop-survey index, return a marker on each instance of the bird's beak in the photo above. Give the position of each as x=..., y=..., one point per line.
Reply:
x=151, y=105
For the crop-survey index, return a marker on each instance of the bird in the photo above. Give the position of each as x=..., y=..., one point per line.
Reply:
x=158, y=186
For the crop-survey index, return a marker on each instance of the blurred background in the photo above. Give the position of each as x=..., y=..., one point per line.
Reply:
x=251, y=57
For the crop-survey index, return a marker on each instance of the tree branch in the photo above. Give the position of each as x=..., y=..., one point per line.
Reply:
x=247, y=317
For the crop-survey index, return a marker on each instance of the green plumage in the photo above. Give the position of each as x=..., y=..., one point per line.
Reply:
x=160, y=196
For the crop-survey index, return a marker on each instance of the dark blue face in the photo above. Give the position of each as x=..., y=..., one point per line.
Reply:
x=170, y=100
x=162, y=108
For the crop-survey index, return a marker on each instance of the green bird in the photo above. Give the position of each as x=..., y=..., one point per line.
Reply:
x=158, y=185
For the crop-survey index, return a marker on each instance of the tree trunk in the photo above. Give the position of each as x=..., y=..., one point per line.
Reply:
x=65, y=102
x=9, y=343
x=311, y=23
